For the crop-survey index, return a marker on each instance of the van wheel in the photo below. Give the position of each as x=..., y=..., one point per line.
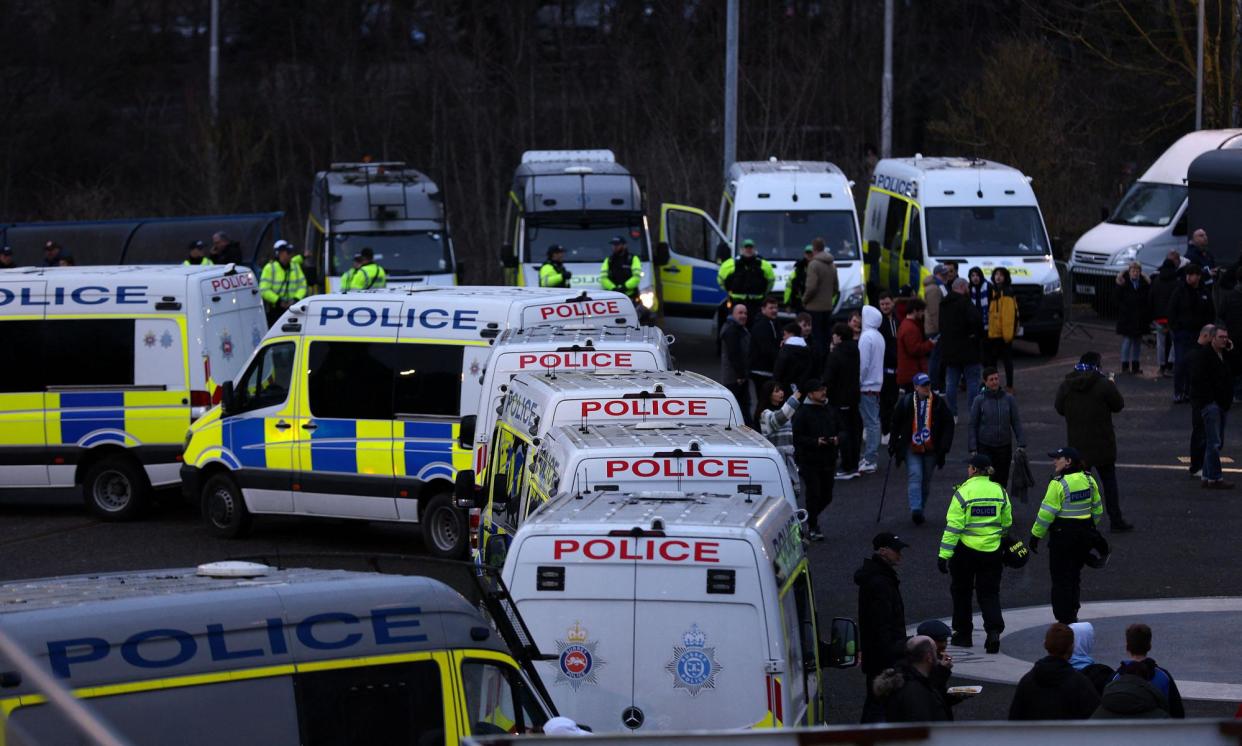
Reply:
x=225, y=508
x=1050, y=344
x=444, y=531
x=116, y=488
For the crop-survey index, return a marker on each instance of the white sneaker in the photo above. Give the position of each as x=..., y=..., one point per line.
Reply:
x=846, y=476
x=884, y=439
x=1196, y=474
x=866, y=467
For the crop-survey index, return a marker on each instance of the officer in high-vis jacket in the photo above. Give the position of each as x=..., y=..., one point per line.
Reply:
x=1068, y=517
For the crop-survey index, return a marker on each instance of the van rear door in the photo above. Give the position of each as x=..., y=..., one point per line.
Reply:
x=23, y=390
x=233, y=326
x=709, y=473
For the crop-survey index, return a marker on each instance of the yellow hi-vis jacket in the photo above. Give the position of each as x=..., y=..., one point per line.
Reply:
x=1074, y=497
x=979, y=516
x=277, y=283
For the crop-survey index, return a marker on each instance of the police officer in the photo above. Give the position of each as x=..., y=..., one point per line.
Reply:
x=970, y=551
x=347, y=279
x=552, y=273
x=197, y=250
x=621, y=271
x=1069, y=513
x=282, y=282
x=748, y=278
x=369, y=275
x=795, y=285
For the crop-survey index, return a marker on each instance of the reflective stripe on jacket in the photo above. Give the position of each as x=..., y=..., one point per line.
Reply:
x=1074, y=497
x=277, y=283
x=979, y=516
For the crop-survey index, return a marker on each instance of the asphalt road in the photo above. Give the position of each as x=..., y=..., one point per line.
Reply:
x=1184, y=545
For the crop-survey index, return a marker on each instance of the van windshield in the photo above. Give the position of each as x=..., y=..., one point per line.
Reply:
x=985, y=231
x=584, y=240
x=1148, y=204
x=405, y=253
x=783, y=235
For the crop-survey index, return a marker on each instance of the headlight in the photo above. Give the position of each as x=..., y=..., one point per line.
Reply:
x=853, y=298
x=647, y=298
x=1128, y=254
x=1052, y=286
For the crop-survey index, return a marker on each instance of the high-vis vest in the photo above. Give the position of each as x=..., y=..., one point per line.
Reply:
x=549, y=277
x=979, y=515
x=622, y=274
x=202, y=262
x=1074, y=497
x=746, y=279
x=277, y=283
x=368, y=277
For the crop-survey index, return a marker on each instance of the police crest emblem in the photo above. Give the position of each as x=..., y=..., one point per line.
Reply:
x=148, y=339
x=694, y=666
x=226, y=345
x=577, y=661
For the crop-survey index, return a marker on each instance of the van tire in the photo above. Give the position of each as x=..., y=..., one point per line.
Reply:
x=224, y=508
x=116, y=488
x=444, y=530
x=1050, y=344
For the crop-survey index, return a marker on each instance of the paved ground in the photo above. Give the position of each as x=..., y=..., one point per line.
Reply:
x=1184, y=546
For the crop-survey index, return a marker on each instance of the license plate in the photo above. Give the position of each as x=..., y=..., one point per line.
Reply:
x=1085, y=289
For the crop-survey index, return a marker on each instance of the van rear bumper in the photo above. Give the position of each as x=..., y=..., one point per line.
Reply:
x=191, y=483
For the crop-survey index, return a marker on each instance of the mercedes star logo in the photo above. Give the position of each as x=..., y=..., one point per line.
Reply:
x=632, y=717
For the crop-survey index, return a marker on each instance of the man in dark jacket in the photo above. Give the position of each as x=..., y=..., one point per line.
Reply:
x=1190, y=309
x=961, y=340
x=909, y=692
x=1163, y=282
x=765, y=342
x=920, y=434
x=1131, y=696
x=793, y=362
x=1211, y=394
x=1052, y=689
x=881, y=614
x=815, y=437
x=1087, y=400
x=1138, y=645
x=735, y=358
x=994, y=423
x=1230, y=315
x=841, y=376
x=888, y=329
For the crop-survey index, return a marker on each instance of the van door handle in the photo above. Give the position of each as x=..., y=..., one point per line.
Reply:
x=309, y=426
x=671, y=269
x=282, y=425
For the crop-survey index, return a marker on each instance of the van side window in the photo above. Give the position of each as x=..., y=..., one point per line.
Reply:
x=351, y=380
x=266, y=382
x=689, y=235
x=88, y=352
x=26, y=336
x=497, y=701
x=893, y=225
x=428, y=380
x=396, y=703
x=914, y=240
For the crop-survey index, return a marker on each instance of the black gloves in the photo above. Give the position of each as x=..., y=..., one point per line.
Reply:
x=943, y=565
x=1033, y=544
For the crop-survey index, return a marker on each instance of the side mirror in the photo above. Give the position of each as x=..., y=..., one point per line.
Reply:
x=463, y=489
x=842, y=649
x=227, y=402
x=661, y=254
x=508, y=258
x=499, y=496
x=465, y=432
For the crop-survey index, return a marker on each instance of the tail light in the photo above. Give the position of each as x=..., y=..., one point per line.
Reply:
x=476, y=520
x=776, y=703
x=200, y=402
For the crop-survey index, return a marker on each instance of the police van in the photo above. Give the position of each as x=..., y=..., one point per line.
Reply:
x=655, y=455
x=780, y=205
x=675, y=611
x=927, y=211
x=242, y=653
x=533, y=404
x=352, y=406
x=109, y=366
x=388, y=207
x=579, y=200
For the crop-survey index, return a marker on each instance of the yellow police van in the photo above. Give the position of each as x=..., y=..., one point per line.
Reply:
x=110, y=365
x=535, y=403
x=241, y=653
x=653, y=456
x=352, y=405
x=675, y=611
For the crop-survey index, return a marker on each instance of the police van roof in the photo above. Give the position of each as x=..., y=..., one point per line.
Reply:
x=789, y=185
x=678, y=512
x=575, y=181
x=129, y=289
x=544, y=335
x=617, y=382
x=949, y=181
x=751, y=168
x=93, y=273
x=388, y=196
x=663, y=436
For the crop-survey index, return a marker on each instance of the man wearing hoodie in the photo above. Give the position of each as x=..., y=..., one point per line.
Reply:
x=909, y=692
x=1087, y=400
x=1052, y=689
x=994, y=423
x=881, y=615
x=1131, y=696
x=735, y=357
x=1138, y=645
x=793, y=362
x=815, y=438
x=819, y=298
x=1190, y=309
x=870, y=383
x=1163, y=282
x=1097, y=673
x=913, y=348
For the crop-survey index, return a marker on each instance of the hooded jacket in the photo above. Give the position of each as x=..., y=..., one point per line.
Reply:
x=933, y=293
x=810, y=423
x=909, y=696
x=1087, y=401
x=1164, y=683
x=793, y=362
x=913, y=350
x=821, y=283
x=1211, y=377
x=1053, y=690
x=1190, y=309
x=871, y=351
x=734, y=352
x=841, y=374
x=1134, y=309
x=1163, y=282
x=994, y=420
x=765, y=343
x=1097, y=673
x=901, y=427
x=1131, y=697
x=881, y=615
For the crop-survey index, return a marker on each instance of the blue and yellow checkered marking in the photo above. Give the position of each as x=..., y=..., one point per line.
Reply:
x=428, y=450
x=244, y=437
x=704, y=288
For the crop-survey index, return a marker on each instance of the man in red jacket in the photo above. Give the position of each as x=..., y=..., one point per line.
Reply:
x=912, y=349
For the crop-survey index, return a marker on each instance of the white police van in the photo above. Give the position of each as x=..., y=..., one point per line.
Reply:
x=110, y=365
x=927, y=211
x=352, y=406
x=675, y=610
x=535, y=403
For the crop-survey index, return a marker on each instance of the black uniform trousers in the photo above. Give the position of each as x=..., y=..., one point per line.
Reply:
x=1069, y=542
x=818, y=479
x=980, y=572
